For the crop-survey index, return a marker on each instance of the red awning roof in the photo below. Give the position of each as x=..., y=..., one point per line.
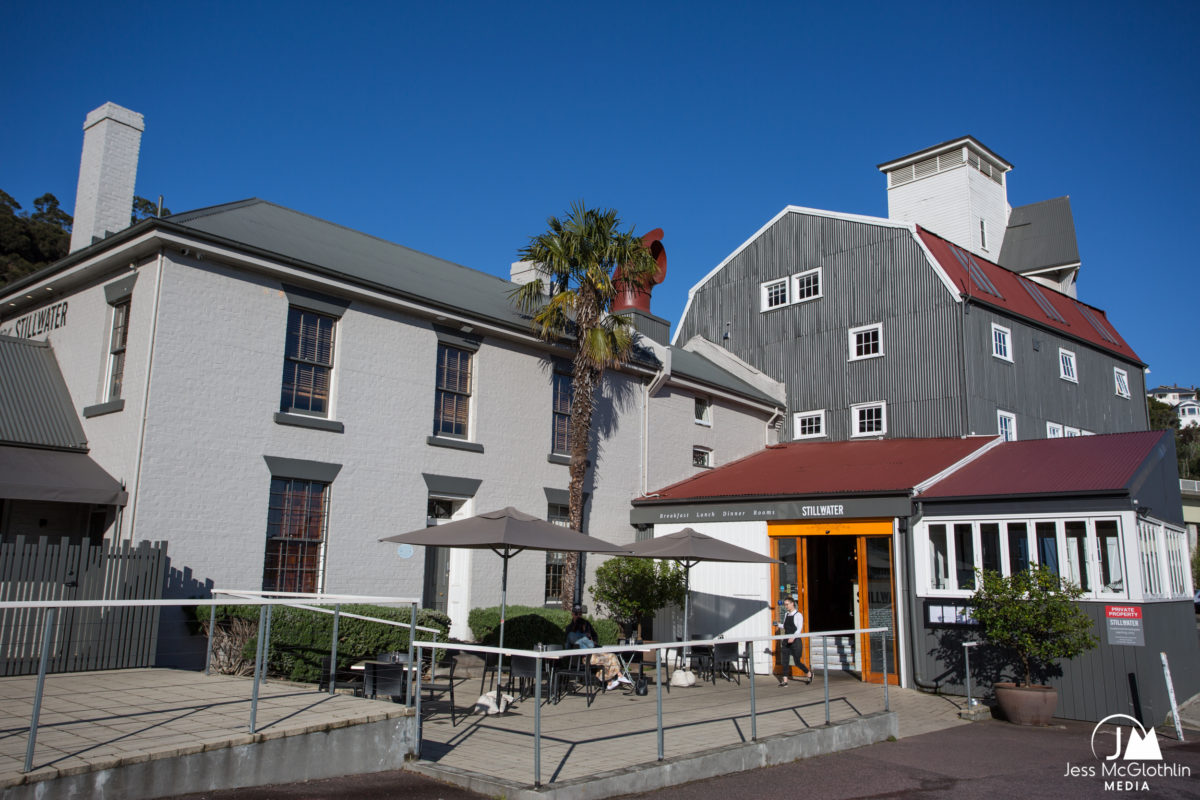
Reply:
x=994, y=285
x=1079, y=464
x=878, y=466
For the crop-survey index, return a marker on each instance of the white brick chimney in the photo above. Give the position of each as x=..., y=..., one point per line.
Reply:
x=112, y=137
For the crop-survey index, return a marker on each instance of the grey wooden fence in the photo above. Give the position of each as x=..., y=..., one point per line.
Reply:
x=84, y=638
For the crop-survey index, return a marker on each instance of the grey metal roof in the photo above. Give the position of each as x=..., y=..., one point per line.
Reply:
x=687, y=364
x=1040, y=235
x=356, y=255
x=36, y=410
x=347, y=253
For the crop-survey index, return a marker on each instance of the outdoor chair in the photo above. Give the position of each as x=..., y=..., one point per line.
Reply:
x=523, y=669
x=343, y=679
x=575, y=672
x=488, y=677
x=726, y=660
x=441, y=683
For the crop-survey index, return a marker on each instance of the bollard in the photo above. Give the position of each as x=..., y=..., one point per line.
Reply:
x=412, y=633
x=967, y=658
x=886, y=705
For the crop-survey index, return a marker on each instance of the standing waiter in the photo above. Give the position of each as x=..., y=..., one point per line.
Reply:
x=793, y=622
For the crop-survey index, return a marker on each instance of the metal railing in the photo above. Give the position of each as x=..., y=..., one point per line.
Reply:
x=265, y=602
x=540, y=656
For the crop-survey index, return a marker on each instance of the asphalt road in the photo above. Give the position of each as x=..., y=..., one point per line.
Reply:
x=985, y=760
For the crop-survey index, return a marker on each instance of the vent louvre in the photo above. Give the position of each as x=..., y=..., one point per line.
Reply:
x=1095, y=323
x=902, y=175
x=927, y=167
x=952, y=159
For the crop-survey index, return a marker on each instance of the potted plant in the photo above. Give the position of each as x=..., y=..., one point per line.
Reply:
x=1032, y=616
x=630, y=590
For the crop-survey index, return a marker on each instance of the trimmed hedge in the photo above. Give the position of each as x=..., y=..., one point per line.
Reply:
x=528, y=626
x=301, y=638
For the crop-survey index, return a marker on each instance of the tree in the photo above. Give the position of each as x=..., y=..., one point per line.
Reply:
x=29, y=242
x=576, y=257
x=631, y=589
x=1032, y=613
x=1162, y=416
x=144, y=209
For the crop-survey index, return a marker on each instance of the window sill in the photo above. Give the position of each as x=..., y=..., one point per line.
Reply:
x=865, y=358
x=703, y=424
x=100, y=409
x=454, y=444
x=314, y=423
x=556, y=458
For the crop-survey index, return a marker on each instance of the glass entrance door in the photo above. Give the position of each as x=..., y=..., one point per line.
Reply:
x=877, y=608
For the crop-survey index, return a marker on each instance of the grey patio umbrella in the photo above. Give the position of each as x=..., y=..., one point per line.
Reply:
x=689, y=547
x=505, y=532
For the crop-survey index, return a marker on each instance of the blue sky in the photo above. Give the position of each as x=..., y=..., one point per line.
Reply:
x=457, y=128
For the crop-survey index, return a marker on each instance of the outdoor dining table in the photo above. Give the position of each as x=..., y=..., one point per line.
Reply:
x=379, y=676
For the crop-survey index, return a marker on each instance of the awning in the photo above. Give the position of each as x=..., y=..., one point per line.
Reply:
x=56, y=476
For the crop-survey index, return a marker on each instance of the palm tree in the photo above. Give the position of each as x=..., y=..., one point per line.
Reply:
x=577, y=256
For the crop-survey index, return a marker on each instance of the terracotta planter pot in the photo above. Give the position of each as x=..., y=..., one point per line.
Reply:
x=1026, y=705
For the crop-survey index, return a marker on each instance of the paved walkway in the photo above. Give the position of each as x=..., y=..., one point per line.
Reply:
x=99, y=720
x=619, y=730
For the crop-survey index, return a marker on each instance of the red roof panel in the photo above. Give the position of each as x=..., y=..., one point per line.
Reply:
x=994, y=285
x=878, y=466
x=1045, y=466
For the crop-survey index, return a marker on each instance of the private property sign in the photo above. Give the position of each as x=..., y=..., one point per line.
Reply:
x=1125, y=625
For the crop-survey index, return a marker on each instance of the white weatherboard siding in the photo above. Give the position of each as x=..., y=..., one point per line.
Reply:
x=198, y=441
x=727, y=599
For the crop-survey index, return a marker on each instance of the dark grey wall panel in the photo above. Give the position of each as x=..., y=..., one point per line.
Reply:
x=937, y=375
x=1100, y=682
x=1031, y=388
x=870, y=274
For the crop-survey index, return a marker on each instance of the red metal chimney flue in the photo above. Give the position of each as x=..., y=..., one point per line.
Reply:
x=639, y=299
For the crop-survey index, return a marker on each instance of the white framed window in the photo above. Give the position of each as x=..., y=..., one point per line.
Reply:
x=1086, y=550
x=806, y=285
x=868, y=419
x=702, y=457
x=1054, y=430
x=1066, y=365
x=703, y=412
x=1001, y=342
x=297, y=528
x=1006, y=425
x=452, y=398
x=1121, y=382
x=982, y=233
x=775, y=294
x=866, y=341
x=308, y=362
x=556, y=561
x=117, y=342
x=1068, y=431
x=808, y=424
x=562, y=392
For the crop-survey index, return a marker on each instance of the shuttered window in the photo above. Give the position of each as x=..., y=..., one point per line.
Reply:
x=297, y=520
x=308, y=362
x=116, y=349
x=561, y=424
x=452, y=403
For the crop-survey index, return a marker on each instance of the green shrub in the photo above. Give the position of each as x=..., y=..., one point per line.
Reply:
x=301, y=638
x=528, y=626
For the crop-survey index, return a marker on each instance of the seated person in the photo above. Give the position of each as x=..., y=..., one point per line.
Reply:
x=581, y=633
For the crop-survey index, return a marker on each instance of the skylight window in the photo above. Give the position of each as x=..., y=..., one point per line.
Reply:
x=978, y=276
x=1095, y=323
x=1043, y=302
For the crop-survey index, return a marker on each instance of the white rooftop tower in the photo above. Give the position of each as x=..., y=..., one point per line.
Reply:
x=955, y=189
